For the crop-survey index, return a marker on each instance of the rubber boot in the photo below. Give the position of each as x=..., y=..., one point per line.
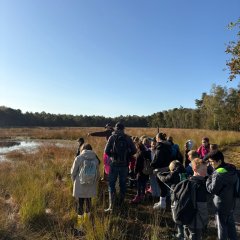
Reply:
x=86, y=217
x=161, y=204
x=80, y=221
x=111, y=200
x=180, y=232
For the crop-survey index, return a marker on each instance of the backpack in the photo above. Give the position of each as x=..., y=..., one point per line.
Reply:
x=237, y=186
x=88, y=173
x=184, y=202
x=120, y=150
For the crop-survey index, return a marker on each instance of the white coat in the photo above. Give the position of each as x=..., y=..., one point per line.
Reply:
x=83, y=190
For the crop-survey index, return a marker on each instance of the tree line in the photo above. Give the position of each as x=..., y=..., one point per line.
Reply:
x=219, y=110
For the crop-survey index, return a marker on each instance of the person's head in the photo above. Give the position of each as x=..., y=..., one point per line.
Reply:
x=153, y=143
x=80, y=141
x=140, y=146
x=108, y=126
x=189, y=144
x=161, y=137
x=86, y=146
x=135, y=139
x=170, y=139
x=142, y=138
x=174, y=165
x=119, y=126
x=199, y=167
x=205, y=141
x=192, y=154
x=146, y=142
x=213, y=147
x=215, y=158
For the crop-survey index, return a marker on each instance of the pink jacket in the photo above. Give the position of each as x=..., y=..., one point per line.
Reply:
x=203, y=151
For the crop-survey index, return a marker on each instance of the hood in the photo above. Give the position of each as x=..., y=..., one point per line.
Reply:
x=198, y=179
x=118, y=132
x=163, y=143
x=227, y=172
x=180, y=169
x=88, y=154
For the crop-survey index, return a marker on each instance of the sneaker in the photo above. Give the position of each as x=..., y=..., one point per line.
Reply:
x=137, y=199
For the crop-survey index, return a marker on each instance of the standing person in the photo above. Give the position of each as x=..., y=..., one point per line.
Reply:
x=154, y=187
x=198, y=180
x=188, y=147
x=143, y=154
x=161, y=161
x=222, y=185
x=204, y=149
x=84, y=174
x=176, y=154
x=80, y=143
x=106, y=161
x=191, y=155
x=177, y=174
x=120, y=148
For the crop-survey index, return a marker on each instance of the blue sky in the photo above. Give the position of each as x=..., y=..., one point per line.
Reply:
x=111, y=58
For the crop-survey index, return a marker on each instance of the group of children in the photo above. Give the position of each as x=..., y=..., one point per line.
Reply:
x=158, y=168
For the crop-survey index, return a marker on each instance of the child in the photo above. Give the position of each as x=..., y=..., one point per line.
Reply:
x=176, y=174
x=84, y=173
x=154, y=187
x=131, y=173
x=142, y=178
x=198, y=180
x=222, y=185
x=106, y=159
x=204, y=149
x=188, y=147
x=191, y=155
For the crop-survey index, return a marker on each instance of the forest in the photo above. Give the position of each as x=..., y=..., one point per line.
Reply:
x=217, y=110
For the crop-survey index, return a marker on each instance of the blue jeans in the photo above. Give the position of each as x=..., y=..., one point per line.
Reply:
x=116, y=171
x=226, y=226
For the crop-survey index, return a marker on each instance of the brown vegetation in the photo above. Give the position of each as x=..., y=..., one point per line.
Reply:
x=36, y=189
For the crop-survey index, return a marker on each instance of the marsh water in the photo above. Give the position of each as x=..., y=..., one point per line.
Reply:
x=10, y=146
x=28, y=146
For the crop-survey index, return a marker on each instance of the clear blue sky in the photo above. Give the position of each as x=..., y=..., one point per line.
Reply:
x=111, y=58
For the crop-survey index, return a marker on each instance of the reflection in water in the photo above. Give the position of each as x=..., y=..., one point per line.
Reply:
x=21, y=146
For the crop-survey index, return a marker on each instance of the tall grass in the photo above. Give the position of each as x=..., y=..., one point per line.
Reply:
x=40, y=187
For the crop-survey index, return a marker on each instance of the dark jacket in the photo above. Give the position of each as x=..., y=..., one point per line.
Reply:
x=109, y=146
x=172, y=178
x=221, y=184
x=162, y=157
x=106, y=133
x=201, y=219
x=140, y=156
